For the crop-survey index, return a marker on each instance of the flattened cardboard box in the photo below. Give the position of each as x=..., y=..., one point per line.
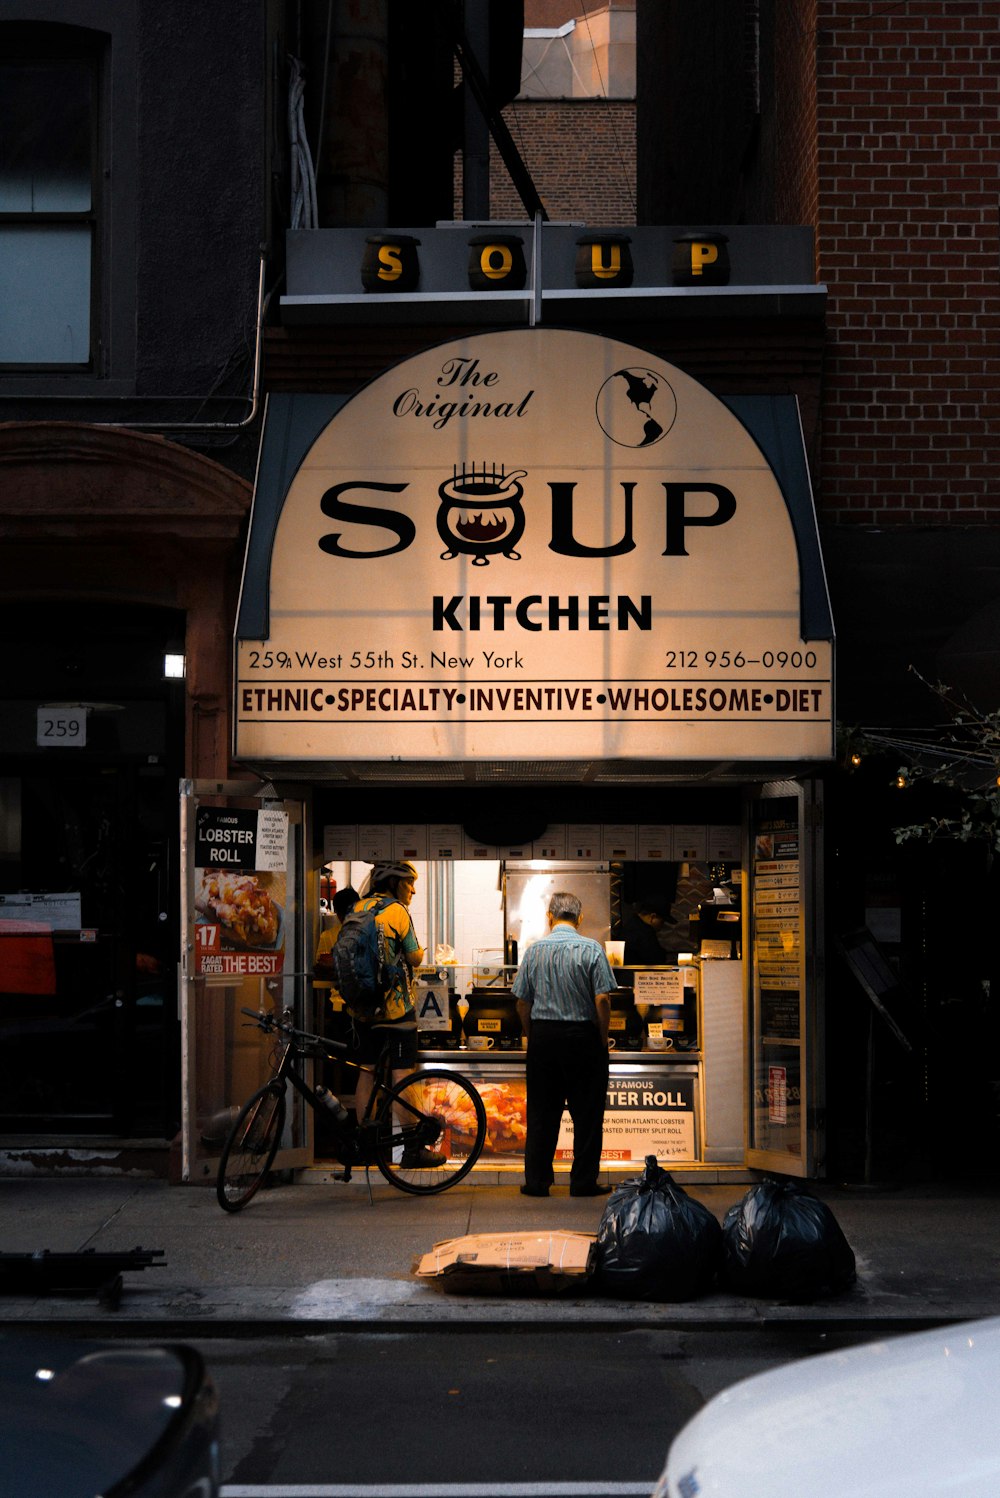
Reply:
x=511, y=1263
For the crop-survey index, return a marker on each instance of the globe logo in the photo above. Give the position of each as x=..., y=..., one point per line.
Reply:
x=636, y=407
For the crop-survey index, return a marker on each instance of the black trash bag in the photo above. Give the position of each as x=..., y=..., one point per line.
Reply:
x=783, y=1243
x=654, y=1242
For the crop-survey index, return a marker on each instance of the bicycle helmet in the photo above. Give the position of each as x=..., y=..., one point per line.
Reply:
x=384, y=875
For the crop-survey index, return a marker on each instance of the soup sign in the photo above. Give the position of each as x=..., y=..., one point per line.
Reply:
x=534, y=543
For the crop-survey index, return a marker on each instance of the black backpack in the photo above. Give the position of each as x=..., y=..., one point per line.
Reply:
x=363, y=970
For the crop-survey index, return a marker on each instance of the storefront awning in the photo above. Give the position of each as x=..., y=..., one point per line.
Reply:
x=536, y=553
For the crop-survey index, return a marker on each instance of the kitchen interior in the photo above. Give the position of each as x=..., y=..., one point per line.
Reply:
x=676, y=1031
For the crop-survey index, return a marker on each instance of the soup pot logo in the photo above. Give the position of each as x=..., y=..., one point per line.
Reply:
x=480, y=514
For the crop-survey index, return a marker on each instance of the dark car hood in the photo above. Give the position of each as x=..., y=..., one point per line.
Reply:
x=79, y=1418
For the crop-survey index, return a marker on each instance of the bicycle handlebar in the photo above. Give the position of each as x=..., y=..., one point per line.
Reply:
x=270, y=1024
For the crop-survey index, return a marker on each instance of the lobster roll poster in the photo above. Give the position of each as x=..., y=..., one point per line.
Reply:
x=241, y=867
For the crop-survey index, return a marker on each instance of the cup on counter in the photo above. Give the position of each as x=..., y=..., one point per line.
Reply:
x=657, y=1038
x=615, y=952
x=481, y=1042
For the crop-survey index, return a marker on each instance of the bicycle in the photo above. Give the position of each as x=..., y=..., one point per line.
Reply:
x=431, y=1106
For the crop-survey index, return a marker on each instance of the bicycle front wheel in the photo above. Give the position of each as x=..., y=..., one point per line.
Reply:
x=251, y=1147
x=429, y=1131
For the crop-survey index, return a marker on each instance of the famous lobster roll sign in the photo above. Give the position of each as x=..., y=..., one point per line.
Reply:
x=241, y=865
x=535, y=544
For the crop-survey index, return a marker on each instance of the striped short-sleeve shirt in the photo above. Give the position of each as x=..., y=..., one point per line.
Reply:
x=560, y=974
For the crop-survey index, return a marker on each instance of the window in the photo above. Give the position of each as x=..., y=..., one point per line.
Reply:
x=48, y=208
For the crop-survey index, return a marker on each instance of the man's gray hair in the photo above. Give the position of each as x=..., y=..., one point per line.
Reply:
x=564, y=907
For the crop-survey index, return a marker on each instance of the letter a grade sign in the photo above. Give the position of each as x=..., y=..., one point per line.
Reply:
x=534, y=544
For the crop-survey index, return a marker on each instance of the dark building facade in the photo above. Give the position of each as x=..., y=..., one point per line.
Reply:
x=151, y=160
x=877, y=126
x=134, y=218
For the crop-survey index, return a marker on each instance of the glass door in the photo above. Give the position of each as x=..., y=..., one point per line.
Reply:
x=242, y=924
x=784, y=979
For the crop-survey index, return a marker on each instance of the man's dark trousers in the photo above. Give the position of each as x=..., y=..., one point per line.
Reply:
x=567, y=1066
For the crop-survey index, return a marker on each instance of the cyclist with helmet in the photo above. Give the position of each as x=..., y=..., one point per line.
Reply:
x=396, y=879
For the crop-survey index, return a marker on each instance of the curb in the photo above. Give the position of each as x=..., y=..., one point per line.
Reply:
x=391, y=1306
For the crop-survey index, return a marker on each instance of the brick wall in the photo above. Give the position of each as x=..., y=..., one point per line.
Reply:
x=581, y=156
x=908, y=107
x=793, y=122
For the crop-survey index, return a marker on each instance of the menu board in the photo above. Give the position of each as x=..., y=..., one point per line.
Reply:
x=340, y=844
x=375, y=842
x=777, y=975
x=409, y=840
x=665, y=987
x=690, y=843
x=552, y=844
x=584, y=841
x=619, y=842
x=655, y=842
x=724, y=845
x=445, y=840
x=476, y=851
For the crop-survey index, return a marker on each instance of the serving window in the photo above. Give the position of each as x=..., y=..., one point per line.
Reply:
x=475, y=918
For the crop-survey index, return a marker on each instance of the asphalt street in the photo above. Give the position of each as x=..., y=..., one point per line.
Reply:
x=421, y=1414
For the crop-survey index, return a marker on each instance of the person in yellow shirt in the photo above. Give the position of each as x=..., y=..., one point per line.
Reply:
x=397, y=879
x=343, y=901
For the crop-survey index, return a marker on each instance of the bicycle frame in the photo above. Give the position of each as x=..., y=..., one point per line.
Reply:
x=404, y=1125
x=306, y=1046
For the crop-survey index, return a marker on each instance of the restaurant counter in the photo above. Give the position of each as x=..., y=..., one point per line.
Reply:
x=667, y=1094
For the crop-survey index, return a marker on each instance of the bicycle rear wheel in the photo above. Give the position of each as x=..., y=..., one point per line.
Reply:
x=434, y=1111
x=251, y=1147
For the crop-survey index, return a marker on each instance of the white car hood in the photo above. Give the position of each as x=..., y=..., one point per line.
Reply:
x=911, y=1416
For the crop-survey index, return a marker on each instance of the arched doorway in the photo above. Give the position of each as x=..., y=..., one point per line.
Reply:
x=121, y=550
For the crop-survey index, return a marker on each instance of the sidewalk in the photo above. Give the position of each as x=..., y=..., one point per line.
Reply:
x=318, y=1255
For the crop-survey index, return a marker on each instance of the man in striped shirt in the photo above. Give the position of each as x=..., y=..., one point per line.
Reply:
x=563, y=990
